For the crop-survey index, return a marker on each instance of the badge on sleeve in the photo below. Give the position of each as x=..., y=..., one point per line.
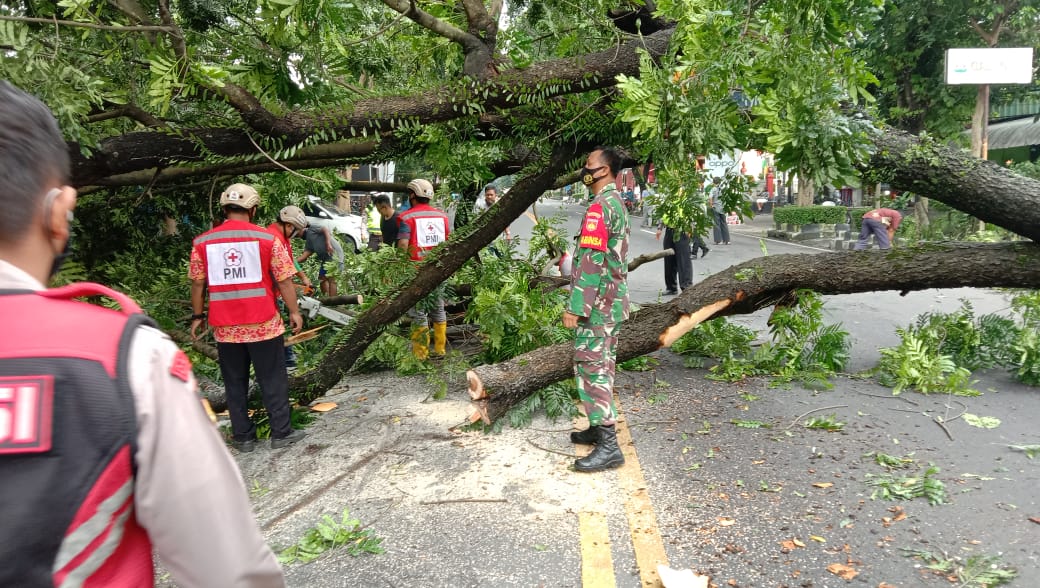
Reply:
x=593, y=229
x=181, y=366
x=26, y=414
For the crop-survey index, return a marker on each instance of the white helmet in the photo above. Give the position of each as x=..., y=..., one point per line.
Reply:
x=294, y=216
x=421, y=188
x=242, y=195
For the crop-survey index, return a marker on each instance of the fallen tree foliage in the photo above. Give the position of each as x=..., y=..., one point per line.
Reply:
x=762, y=283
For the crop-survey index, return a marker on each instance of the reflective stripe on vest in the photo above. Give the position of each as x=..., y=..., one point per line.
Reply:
x=98, y=529
x=238, y=294
x=237, y=234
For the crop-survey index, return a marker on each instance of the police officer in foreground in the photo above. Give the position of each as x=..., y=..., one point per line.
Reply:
x=106, y=453
x=241, y=264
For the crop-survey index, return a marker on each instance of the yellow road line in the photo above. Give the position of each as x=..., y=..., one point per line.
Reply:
x=646, y=537
x=597, y=565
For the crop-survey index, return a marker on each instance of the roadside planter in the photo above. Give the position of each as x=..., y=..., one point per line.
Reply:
x=801, y=223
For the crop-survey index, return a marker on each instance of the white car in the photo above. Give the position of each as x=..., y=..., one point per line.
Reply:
x=350, y=227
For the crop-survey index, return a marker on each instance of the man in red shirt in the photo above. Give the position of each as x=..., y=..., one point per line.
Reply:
x=241, y=265
x=291, y=223
x=882, y=223
x=423, y=227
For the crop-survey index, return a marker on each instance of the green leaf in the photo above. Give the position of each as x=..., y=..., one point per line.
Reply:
x=1031, y=451
x=981, y=422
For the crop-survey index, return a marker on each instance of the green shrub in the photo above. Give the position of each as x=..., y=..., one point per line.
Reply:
x=856, y=216
x=805, y=215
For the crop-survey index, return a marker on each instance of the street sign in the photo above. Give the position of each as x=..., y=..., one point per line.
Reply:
x=989, y=66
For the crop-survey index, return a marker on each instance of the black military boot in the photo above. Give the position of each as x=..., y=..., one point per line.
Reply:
x=607, y=455
x=587, y=437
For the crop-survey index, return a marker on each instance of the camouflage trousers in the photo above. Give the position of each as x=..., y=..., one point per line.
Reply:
x=595, y=351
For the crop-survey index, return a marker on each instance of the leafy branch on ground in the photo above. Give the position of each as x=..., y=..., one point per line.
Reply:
x=890, y=461
x=926, y=485
x=643, y=363
x=329, y=534
x=299, y=418
x=803, y=348
x=826, y=423
x=941, y=350
x=977, y=571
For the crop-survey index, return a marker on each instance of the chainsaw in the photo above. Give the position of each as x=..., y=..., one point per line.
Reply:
x=312, y=307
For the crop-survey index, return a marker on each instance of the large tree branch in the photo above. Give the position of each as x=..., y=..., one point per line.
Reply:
x=371, y=115
x=476, y=14
x=317, y=156
x=980, y=188
x=436, y=268
x=88, y=25
x=761, y=283
x=133, y=9
x=180, y=48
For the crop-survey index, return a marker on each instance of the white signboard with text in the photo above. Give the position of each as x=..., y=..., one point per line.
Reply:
x=989, y=66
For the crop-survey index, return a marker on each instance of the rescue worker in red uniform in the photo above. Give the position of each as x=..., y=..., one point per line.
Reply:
x=241, y=263
x=292, y=222
x=423, y=227
x=106, y=452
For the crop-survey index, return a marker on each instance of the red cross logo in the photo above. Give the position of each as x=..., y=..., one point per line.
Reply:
x=233, y=258
x=431, y=227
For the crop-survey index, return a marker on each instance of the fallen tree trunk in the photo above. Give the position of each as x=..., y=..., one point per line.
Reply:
x=184, y=338
x=981, y=188
x=761, y=283
x=341, y=300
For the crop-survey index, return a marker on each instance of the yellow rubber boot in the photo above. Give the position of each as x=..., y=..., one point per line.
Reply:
x=421, y=343
x=440, y=338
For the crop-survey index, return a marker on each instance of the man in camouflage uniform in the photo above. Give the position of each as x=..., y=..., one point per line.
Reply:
x=598, y=305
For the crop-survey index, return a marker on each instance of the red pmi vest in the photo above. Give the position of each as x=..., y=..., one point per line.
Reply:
x=67, y=442
x=237, y=259
x=429, y=228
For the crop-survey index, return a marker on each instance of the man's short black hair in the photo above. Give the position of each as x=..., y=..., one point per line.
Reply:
x=380, y=200
x=33, y=158
x=490, y=188
x=611, y=156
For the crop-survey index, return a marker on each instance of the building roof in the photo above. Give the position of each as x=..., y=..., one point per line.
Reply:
x=1014, y=133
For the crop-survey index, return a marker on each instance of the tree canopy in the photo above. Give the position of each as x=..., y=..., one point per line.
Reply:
x=164, y=103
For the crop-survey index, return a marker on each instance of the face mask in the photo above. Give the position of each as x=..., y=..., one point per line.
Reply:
x=60, y=258
x=587, y=175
